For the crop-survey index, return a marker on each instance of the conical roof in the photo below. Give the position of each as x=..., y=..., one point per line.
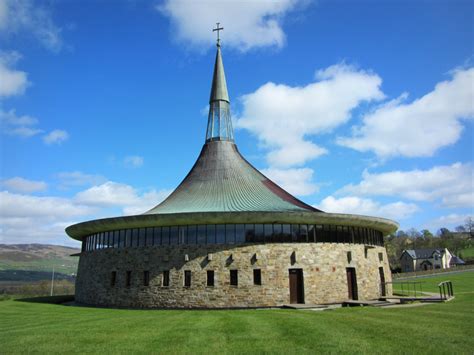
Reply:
x=222, y=187
x=221, y=180
x=219, y=85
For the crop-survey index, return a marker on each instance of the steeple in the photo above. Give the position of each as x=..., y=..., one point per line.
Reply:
x=219, y=124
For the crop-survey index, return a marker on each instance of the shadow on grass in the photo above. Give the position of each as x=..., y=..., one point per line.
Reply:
x=60, y=299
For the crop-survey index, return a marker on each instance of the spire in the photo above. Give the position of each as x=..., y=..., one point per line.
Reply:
x=219, y=124
x=219, y=86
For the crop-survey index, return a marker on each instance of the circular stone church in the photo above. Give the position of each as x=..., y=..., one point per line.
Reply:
x=230, y=237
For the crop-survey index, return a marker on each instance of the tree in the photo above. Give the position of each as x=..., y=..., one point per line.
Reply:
x=427, y=236
x=443, y=232
x=469, y=226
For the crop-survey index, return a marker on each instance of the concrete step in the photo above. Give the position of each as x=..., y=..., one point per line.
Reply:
x=370, y=303
x=304, y=306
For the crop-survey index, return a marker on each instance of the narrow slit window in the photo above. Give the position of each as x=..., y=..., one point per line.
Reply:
x=128, y=278
x=234, y=278
x=146, y=278
x=210, y=278
x=113, y=278
x=187, y=278
x=380, y=256
x=166, y=278
x=257, y=276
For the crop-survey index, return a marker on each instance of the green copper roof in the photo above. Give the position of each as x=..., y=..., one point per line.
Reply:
x=221, y=180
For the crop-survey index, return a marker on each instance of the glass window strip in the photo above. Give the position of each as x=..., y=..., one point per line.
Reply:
x=232, y=234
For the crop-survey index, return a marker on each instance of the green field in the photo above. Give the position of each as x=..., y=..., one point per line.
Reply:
x=61, y=266
x=467, y=253
x=435, y=328
x=35, y=262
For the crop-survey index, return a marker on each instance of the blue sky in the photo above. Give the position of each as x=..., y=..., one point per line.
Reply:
x=361, y=107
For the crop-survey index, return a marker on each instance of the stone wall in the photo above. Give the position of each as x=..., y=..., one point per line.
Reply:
x=323, y=264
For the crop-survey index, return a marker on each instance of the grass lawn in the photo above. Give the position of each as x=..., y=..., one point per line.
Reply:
x=435, y=328
x=462, y=282
x=467, y=253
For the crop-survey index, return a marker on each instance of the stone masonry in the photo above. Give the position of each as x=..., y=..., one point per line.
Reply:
x=323, y=264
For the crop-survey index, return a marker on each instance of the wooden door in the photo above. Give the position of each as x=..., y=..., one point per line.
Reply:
x=352, y=283
x=296, y=286
x=382, y=282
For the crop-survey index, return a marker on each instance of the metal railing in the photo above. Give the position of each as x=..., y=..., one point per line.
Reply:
x=445, y=290
x=407, y=288
x=404, y=275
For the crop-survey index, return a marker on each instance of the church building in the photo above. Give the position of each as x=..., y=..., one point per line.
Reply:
x=228, y=236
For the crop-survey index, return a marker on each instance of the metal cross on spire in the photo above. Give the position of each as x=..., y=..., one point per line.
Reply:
x=218, y=29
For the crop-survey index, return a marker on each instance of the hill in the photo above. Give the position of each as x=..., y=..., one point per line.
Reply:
x=34, y=262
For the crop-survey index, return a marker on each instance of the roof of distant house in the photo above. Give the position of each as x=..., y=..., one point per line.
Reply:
x=424, y=253
x=457, y=260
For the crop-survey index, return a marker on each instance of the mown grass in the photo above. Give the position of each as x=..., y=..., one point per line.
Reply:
x=462, y=282
x=437, y=328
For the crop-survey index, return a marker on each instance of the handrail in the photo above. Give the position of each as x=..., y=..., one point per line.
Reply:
x=445, y=288
x=408, y=285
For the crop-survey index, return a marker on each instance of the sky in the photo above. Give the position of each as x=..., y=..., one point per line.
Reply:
x=361, y=107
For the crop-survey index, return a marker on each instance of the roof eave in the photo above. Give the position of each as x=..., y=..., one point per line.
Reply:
x=80, y=230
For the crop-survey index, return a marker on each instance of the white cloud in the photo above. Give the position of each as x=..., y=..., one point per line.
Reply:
x=35, y=230
x=247, y=24
x=21, y=126
x=26, y=219
x=23, y=185
x=452, y=185
x=295, y=181
x=26, y=126
x=133, y=161
x=108, y=194
x=116, y=194
x=27, y=206
x=56, y=136
x=145, y=202
x=419, y=128
x=26, y=16
x=297, y=153
x=364, y=206
x=78, y=178
x=12, y=82
x=283, y=117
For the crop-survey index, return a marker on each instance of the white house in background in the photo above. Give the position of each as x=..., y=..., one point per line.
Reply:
x=425, y=259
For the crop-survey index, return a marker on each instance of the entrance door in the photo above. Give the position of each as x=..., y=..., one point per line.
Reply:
x=382, y=281
x=352, y=283
x=296, y=286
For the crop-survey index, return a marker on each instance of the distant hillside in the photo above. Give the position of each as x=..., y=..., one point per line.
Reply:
x=33, y=262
